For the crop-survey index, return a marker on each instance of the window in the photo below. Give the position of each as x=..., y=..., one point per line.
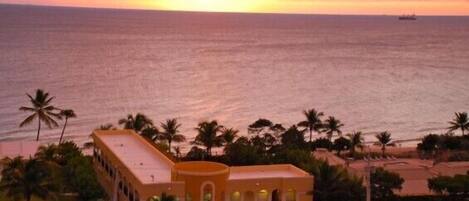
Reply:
x=154, y=198
x=235, y=196
x=291, y=195
x=208, y=192
x=275, y=195
x=126, y=190
x=263, y=195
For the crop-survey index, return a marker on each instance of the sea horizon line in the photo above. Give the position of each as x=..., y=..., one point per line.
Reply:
x=224, y=12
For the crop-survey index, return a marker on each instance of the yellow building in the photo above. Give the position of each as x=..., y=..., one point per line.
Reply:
x=131, y=169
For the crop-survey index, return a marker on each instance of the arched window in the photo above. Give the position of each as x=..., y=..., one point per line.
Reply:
x=291, y=195
x=126, y=190
x=235, y=196
x=263, y=195
x=208, y=192
x=131, y=192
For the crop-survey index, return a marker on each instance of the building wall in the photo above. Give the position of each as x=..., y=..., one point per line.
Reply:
x=200, y=177
x=191, y=178
x=120, y=184
x=284, y=187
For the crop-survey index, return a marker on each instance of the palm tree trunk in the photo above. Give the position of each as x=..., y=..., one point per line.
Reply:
x=383, y=149
x=310, y=135
x=462, y=130
x=169, y=146
x=63, y=131
x=38, y=129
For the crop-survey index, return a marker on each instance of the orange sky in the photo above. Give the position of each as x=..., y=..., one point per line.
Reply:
x=420, y=7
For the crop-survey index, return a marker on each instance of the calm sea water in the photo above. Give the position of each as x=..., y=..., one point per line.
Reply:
x=374, y=73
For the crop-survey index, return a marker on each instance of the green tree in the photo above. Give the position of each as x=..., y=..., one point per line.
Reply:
x=42, y=110
x=177, y=152
x=456, y=186
x=151, y=133
x=429, y=145
x=196, y=154
x=298, y=157
x=47, y=153
x=262, y=127
x=66, y=114
x=322, y=143
x=384, y=139
x=229, y=135
x=208, y=135
x=331, y=126
x=82, y=178
x=171, y=132
x=312, y=123
x=293, y=138
x=383, y=183
x=341, y=144
x=107, y=126
x=460, y=121
x=242, y=152
x=25, y=179
x=356, y=140
x=137, y=123
x=333, y=183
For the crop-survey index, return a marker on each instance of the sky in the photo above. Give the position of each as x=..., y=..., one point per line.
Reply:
x=379, y=7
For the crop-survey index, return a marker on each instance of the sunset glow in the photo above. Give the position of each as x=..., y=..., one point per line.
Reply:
x=421, y=7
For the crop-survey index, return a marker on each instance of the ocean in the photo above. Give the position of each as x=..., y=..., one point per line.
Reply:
x=374, y=73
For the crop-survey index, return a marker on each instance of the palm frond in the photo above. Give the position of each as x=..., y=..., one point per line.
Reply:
x=28, y=120
x=27, y=109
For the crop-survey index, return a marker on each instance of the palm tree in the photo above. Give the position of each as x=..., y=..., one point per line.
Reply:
x=152, y=133
x=460, y=121
x=208, y=135
x=171, y=132
x=313, y=122
x=384, y=139
x=66, y=114
x=333, y=183
x=25, y=179
x=177, y=152
x=229, y=135
x=356, y=140
x=137, y=122
x=107, y=126
x=47, y=153
x=331, y=126
x=42, y=109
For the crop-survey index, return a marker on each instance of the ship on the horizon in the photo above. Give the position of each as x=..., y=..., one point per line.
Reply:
x=408, y=17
